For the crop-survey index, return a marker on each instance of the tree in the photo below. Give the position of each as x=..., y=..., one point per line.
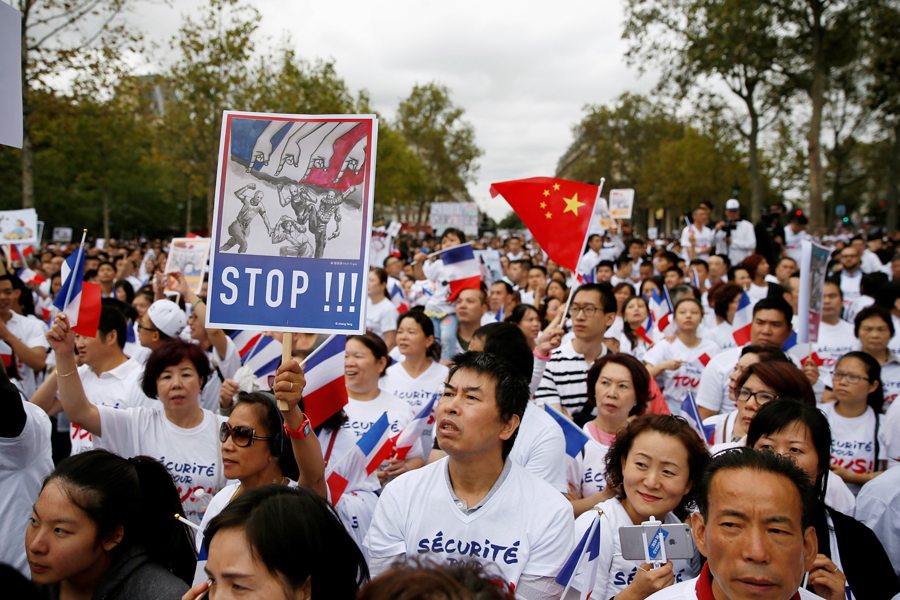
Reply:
x=400, y=178
x=511, y=221
x=730, y=40
x=443, y=142
x=56, y=37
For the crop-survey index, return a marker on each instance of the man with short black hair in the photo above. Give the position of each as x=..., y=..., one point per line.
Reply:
x=518, y=273
x=589, y=260
x=476, y=506
x=674, y=276
x=718, y=269
x=794, y=234
x=754, y=525
x=514, y=246
x=502, y=300
x=851, y=275
x=471, y=304
x=604, y=271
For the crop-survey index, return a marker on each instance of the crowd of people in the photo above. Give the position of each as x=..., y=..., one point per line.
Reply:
x=108, y=438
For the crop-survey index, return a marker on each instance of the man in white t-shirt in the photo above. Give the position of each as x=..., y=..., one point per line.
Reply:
x=794, y=234
x=474, y=506
x=589, y=260
x=836, y=336
x=25, y=336
x=502, y=300
x=25, y=460
x=735, y=237
x=771, y=326
x=514, y=247
x=754, y=525
x=851, y=275
x=470, y=308
x=107, y=375
x=697, y=238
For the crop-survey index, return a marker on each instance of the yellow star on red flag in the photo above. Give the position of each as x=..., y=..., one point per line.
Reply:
x=572, y=204
x=546, y=192
x=543, y=205
x=549, y=215
x=555, y=187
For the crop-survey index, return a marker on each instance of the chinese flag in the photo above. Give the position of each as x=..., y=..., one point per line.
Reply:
x=556, y=211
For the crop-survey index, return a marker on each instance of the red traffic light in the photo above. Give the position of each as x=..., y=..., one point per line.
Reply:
x=799, y=212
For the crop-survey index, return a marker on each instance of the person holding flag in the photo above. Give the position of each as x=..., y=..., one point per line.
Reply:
x=636, y=328
x=381, y=314
x=678, y=365
x=24, y=336
x=651, y=467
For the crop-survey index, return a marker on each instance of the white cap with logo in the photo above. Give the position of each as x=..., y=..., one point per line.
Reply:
x=167, y=317
x=732, y=205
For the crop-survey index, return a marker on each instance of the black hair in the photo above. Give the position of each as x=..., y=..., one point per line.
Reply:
x=743, y=458
x=779, y=304
x=126, y=287
x=26, y=297
x=676, y=270
x=434, y=350
x=380, y=273
x=519, y=313
x=700, y=262
x=592, y=236
x=640, y=380
x=298, y=536
x=776, y=416
x=510, y=386
x=169, y=355
x=137, y=494
x=873, y=372
x=509, y=343
x=90, y=274
x=835, y=281
x=541, y=268
x=376, y=346
x=105, y=262
x=801, y=219
x=608, y=302
x=670, y=257
x=623, y=260
x=692, y=300
x=146, y=293
x=453, y=230
x=509, y=289
x=606, y=263
x=265, y=407
x=734, y=269
x=112, y=319
x=873, y=311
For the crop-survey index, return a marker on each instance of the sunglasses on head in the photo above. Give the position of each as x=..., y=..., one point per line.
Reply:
x=242, y=435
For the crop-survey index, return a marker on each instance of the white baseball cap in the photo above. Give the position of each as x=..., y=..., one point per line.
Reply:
x=167, y=317
x=732, y=205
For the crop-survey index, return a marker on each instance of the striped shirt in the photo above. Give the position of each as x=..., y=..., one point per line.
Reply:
x=565, y=379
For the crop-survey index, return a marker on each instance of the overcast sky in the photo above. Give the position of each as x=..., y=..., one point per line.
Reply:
x=522, y=70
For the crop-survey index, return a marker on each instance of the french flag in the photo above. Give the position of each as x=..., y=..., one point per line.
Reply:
x=661, y=307
x=576, y=438
x=585, y=559
x=586, y=278
x=800, y=351
x=743, y=320
x=644, y=329
x=461, y=269
x=695, y=279
x=263, y=359
x=6, y=354
x=245, y=341
x=29, y=276
x=394, y=250
x=691, y=414
x=325, y=392
x=398, y=297
x=79, y=299
x=404, y=441
x=372, y=449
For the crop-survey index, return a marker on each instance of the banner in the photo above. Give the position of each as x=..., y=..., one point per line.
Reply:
x=189, y=255
x=604, y=216
x=621, y=203
x=461, y=215
x=62, y=234
x=292, y=222
x=20, y=227
x=813, y=269
x=11, y=75
x=493, y=267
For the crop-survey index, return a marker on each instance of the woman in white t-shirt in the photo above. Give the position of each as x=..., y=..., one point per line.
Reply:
x=365, y=362
x=420, y=378
x=725, y=300
x=757, y=267
x=381, y=314
x=678, y=365
x=619, y=386
x=874, y=328
x=528, y=319
x=652, y=467
x=634, y=340
x=180, y=434
x=857, y=448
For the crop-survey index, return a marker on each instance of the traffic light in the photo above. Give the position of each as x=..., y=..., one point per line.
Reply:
x=799, y=212
x=846, y=219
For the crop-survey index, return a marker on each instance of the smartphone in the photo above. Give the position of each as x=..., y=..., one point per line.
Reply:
x=678, y=540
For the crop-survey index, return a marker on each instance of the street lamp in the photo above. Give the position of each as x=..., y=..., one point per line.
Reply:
x=736, y=190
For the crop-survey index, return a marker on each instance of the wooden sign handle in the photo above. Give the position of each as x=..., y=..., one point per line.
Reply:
x=287, y=346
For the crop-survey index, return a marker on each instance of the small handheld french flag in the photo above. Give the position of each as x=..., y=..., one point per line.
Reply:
x=372, y=449
x=245, y=341
x=461, y=269
x=263, y=359
x=800, y=351
x=742, y=321
x=80, y=300
x=585, y=278
x=661, y=307
x=643, y=331
x=576, y=439
x=405, y=440
x=695, y=278
x=325, y=392
x=588, y=548
x=398, y=297
x=691, y=414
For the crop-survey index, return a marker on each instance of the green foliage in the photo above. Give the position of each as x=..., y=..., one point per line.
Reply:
x=511, y=221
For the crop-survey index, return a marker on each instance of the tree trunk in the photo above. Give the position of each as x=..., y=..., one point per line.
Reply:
x=187, y=219
x=817, y=96
x=106, y=213
x=893, y=193
x=27, y=150
x=210, y=196
x=756, y=188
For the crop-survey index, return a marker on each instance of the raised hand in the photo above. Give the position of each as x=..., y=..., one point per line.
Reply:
x=355, y=159
x=60, y=336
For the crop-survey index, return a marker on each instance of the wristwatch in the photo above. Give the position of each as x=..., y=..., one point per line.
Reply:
x=301, y=433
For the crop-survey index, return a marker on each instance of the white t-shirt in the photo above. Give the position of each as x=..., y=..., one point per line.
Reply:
x=858, y=305
x=703, y=241
x=687, y=590
x=638, y=351
x=522, y=527
x=32, y=333
x=25, y=461
x=111, y=389
x=228, y=366
x=878, y=507
x=723, y=335
x=712, y=393
x=417, y=392
x=834, y=341
x=676, y=384
x=590, y=467
x=724, y=424
x=890, y=380
x=614, y=572
x=540, y=447
x=192, y=456
x=792, y=247
x=850, y=286
x=853, y=441
x=381, y=317
x=890, y=424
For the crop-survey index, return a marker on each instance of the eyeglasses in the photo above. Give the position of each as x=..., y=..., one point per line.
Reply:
x=242, y=435
x=851, y=378
x=588, y=310
x=139, y=326
x=743, y=394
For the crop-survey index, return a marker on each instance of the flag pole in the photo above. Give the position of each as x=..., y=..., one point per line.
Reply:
x=458, y=246
x=75, y=270
x=587, y=235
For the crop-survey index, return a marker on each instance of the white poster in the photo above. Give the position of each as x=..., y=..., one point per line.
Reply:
x=380, y=247
x=19, y=227
x=813, y=270
x=62, y=234
x=189, y=255
x=11, y=76
x=621, y=203
x=461, y=215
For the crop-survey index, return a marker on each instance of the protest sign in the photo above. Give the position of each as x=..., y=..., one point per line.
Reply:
x=621, y=203
x=652, y=233
x=491, y=261
x=11, y=133
x=40, y=235
x=380, y=246
x=188, y=255
x=292, y=222
x=604, y=216
x=19, y=227
x=461, y=215
x=62, y=234
x=813, y=269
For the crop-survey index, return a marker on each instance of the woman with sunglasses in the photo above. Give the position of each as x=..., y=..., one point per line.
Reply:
x=857, y=447
x=180, y=434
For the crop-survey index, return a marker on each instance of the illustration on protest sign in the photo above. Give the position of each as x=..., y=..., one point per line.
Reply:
x=604, y=217
x=62, y=234
x=621, y=203
x=19, y=226
x=292, y=222
x=189, y=255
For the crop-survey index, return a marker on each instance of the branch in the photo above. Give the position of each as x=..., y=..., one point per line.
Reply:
x=73, y=19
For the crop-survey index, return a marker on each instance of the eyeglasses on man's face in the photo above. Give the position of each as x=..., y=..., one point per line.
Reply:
x=589, y=310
